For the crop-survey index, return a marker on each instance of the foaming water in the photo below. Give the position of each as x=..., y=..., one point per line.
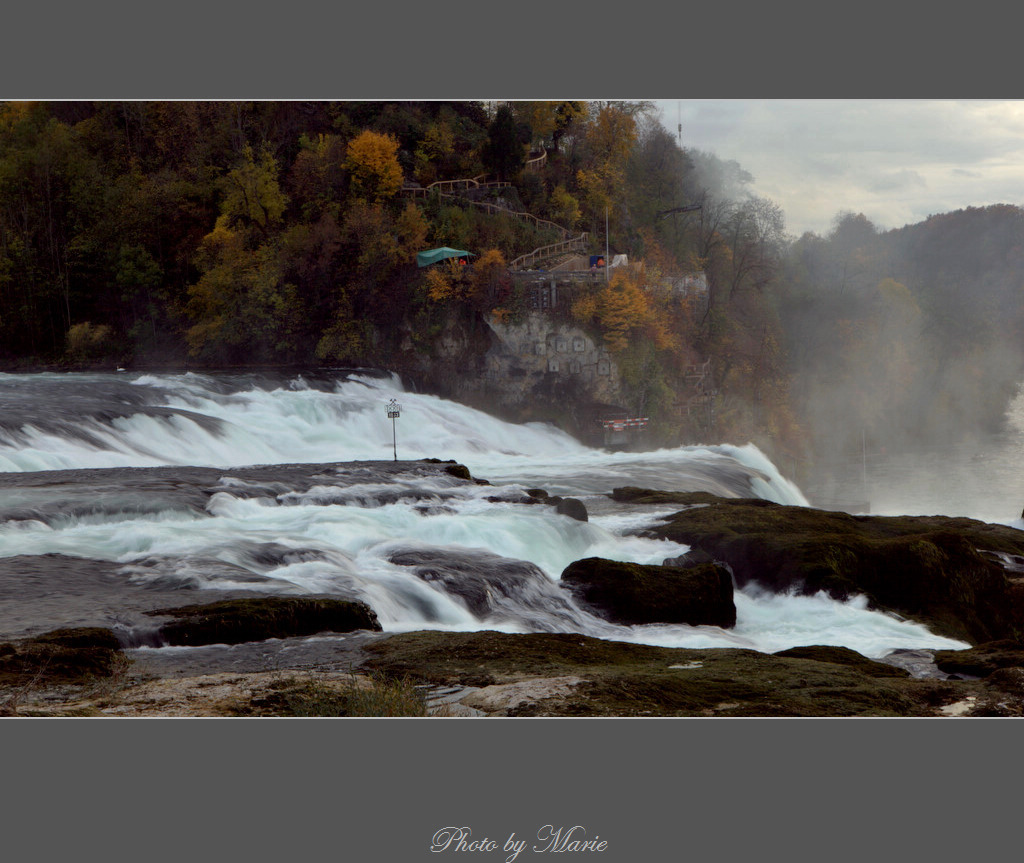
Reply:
x=397, y=543
x=202, y=420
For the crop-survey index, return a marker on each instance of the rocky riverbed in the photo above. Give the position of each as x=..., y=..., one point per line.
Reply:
x=80, y=640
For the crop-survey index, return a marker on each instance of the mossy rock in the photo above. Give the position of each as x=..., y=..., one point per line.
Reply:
x=459, y=471
x=572, y=508
x=933, y=569
x=299, y=695
x=1009, y=680
x=843, y=656
x=236, y=621
x=983, y=659
x=632, y=494
x=86, y=636
x=453, y=468
x=624, y=679
x=632, y=593
x=63, y=655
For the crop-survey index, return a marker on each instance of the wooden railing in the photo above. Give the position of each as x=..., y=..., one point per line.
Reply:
x=524, y=262
x=424, y=191
x=536, y=163
x=450, y=188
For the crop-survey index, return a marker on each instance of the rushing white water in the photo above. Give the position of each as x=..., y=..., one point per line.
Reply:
x=343, y=538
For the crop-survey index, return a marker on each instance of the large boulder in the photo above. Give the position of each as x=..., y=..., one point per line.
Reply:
x=573, y=508
x=62, y=655
x=632, y=593
x=983, y=659
x=236, y=621
x=843, y=656
x=955, y=575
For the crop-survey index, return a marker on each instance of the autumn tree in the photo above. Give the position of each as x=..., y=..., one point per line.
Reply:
x=547, y=121
x=445, y=282
x=252, y=195
x=375, y=174
x=563, y=208
x=487, y=277
x=623, y=310
x=610, y=136
x=240, y=306
x=434, y=151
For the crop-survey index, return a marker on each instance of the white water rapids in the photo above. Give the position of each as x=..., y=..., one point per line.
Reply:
x=341, y=538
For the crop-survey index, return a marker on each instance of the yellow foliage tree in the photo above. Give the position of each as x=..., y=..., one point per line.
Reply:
x=86, y=340
x=251, y=192
x=564, y=208
x=623, y=311
x=437, y=145
x=240, y=302
x=610, y=138
x=445, y=282
x=372, y=163
x=411, y=232
x=485, y=276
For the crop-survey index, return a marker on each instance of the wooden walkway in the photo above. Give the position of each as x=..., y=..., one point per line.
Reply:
x=451, y=189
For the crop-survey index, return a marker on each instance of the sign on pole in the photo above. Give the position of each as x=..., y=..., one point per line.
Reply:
x=394, y=409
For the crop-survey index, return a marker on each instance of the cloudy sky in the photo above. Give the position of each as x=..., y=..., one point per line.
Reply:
x=895, y=161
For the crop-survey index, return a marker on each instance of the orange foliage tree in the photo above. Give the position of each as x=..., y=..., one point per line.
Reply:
x=623, y=310
x=372, y=162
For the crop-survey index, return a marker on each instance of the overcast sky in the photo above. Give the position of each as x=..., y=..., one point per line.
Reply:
x=897, y=162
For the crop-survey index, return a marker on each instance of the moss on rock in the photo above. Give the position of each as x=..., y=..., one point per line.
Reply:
x=71, y=655
x=939, y=571
x=982, y=659
x=623, y=679
x=843, y=656
x=236, y=621
x=632, y=593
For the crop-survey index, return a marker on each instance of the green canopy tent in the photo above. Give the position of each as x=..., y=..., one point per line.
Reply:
x=432, y=256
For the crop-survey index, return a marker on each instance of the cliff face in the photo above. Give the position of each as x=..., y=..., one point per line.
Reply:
x=536, y=369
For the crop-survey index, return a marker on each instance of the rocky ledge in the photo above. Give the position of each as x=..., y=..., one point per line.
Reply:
x=960, y=577
x=462, y=674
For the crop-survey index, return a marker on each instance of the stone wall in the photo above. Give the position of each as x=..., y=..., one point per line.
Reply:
x=538, y=369
x=540, y=356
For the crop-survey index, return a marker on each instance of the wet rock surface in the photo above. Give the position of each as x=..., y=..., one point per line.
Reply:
x=47, y=591
x=39, y=593
x=236, y=621
x=947, y=573
x=488, y=585
x=630, y=593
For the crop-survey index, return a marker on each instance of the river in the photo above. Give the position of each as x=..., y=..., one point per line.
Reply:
x=344, y=533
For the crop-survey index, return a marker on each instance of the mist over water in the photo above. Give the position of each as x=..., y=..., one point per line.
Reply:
x=981, y=476
x=357, y=534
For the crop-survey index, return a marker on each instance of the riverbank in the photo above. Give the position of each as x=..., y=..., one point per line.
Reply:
x=490, y=674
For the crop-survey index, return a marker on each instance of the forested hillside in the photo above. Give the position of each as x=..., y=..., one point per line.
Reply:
x=907, y=337
x=228, y=234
